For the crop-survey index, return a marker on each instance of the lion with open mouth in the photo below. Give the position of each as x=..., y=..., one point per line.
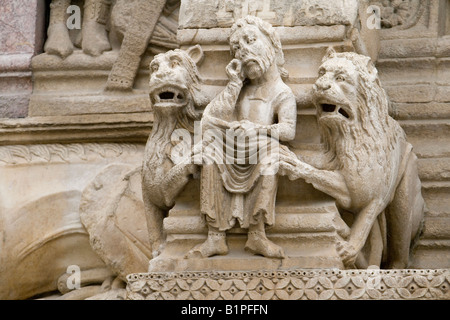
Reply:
x=175, y=97
x=367, y=165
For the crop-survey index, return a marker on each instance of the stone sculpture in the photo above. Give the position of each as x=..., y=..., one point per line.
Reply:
x=368, y=166
x=94, y=37
x=175, y=95
x=73, y=221
x=112, y=213
x=142, y=17
x=122, y=200
x=128, y=27
x=255, y=102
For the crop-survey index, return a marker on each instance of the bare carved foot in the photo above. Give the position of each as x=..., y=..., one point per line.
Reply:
x=95, y=39
x=258, y=243
x=58, y=42
x=214, y=245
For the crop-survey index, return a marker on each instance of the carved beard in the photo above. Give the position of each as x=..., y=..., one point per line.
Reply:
x=257, y=65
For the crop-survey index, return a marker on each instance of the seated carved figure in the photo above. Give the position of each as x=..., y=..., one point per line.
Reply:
x=368, y=166
x=256, y=104
x=175, y=94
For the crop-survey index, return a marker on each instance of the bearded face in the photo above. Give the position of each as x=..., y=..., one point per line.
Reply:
x=254, y=49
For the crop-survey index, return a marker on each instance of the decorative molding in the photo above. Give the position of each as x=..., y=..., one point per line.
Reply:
x=302, y=284
x=54, y=153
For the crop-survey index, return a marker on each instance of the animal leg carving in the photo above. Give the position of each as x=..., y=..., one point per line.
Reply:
x=404, y=216
x=329, y=182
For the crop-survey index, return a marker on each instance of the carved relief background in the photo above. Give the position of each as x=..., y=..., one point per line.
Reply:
x=401, y=14
x=75, y=118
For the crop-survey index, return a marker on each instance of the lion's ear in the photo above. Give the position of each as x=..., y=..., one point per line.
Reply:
x=196, y=54
x=331, y=53
x=373, y=72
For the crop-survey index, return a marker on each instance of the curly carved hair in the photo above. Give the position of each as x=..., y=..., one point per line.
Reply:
x=164, y=125
x=266, y=29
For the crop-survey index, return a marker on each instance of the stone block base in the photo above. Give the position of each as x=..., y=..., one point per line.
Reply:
x=293, y=284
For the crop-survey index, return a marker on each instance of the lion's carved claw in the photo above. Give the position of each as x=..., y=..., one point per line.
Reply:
x=347, y=253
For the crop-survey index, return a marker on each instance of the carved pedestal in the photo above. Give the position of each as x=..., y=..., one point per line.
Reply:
x=56, y=80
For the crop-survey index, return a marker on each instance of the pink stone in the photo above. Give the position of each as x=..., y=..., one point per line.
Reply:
x=21, y=37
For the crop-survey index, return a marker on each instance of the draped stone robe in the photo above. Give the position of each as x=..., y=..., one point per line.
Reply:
x=239, y=179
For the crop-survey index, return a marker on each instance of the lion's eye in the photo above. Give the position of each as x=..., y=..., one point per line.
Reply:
x=322, y=72
x=340, y=78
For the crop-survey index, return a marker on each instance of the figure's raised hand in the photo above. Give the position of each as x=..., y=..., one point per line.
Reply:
x=235, y=72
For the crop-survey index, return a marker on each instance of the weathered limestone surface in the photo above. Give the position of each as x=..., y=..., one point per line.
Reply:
x=73, y=127
x=42, y=231
x=115, y=81
x=413, y=66
x=200, y=14
x=306, y=39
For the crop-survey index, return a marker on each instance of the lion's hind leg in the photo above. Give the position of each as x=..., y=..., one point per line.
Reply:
x=404, y=216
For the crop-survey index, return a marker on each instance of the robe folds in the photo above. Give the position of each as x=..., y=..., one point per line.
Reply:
x=241, y=187
x=239, y=177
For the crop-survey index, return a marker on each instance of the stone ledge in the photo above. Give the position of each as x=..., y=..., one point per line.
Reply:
x=299, y=35
x=19, y=62
x=300, y=284
x=129, y=127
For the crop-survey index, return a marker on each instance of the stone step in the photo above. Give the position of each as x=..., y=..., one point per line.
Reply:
x=284, y=223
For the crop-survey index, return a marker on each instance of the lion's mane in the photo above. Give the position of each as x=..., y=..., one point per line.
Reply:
x=375, y=134
x=164, y=124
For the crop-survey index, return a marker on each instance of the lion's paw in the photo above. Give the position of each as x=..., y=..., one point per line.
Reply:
x=347, y=253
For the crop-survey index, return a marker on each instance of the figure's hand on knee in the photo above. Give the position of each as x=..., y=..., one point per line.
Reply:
x=248, y=125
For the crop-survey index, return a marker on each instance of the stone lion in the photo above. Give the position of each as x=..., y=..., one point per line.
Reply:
x=367, y=165
x=175, y=94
